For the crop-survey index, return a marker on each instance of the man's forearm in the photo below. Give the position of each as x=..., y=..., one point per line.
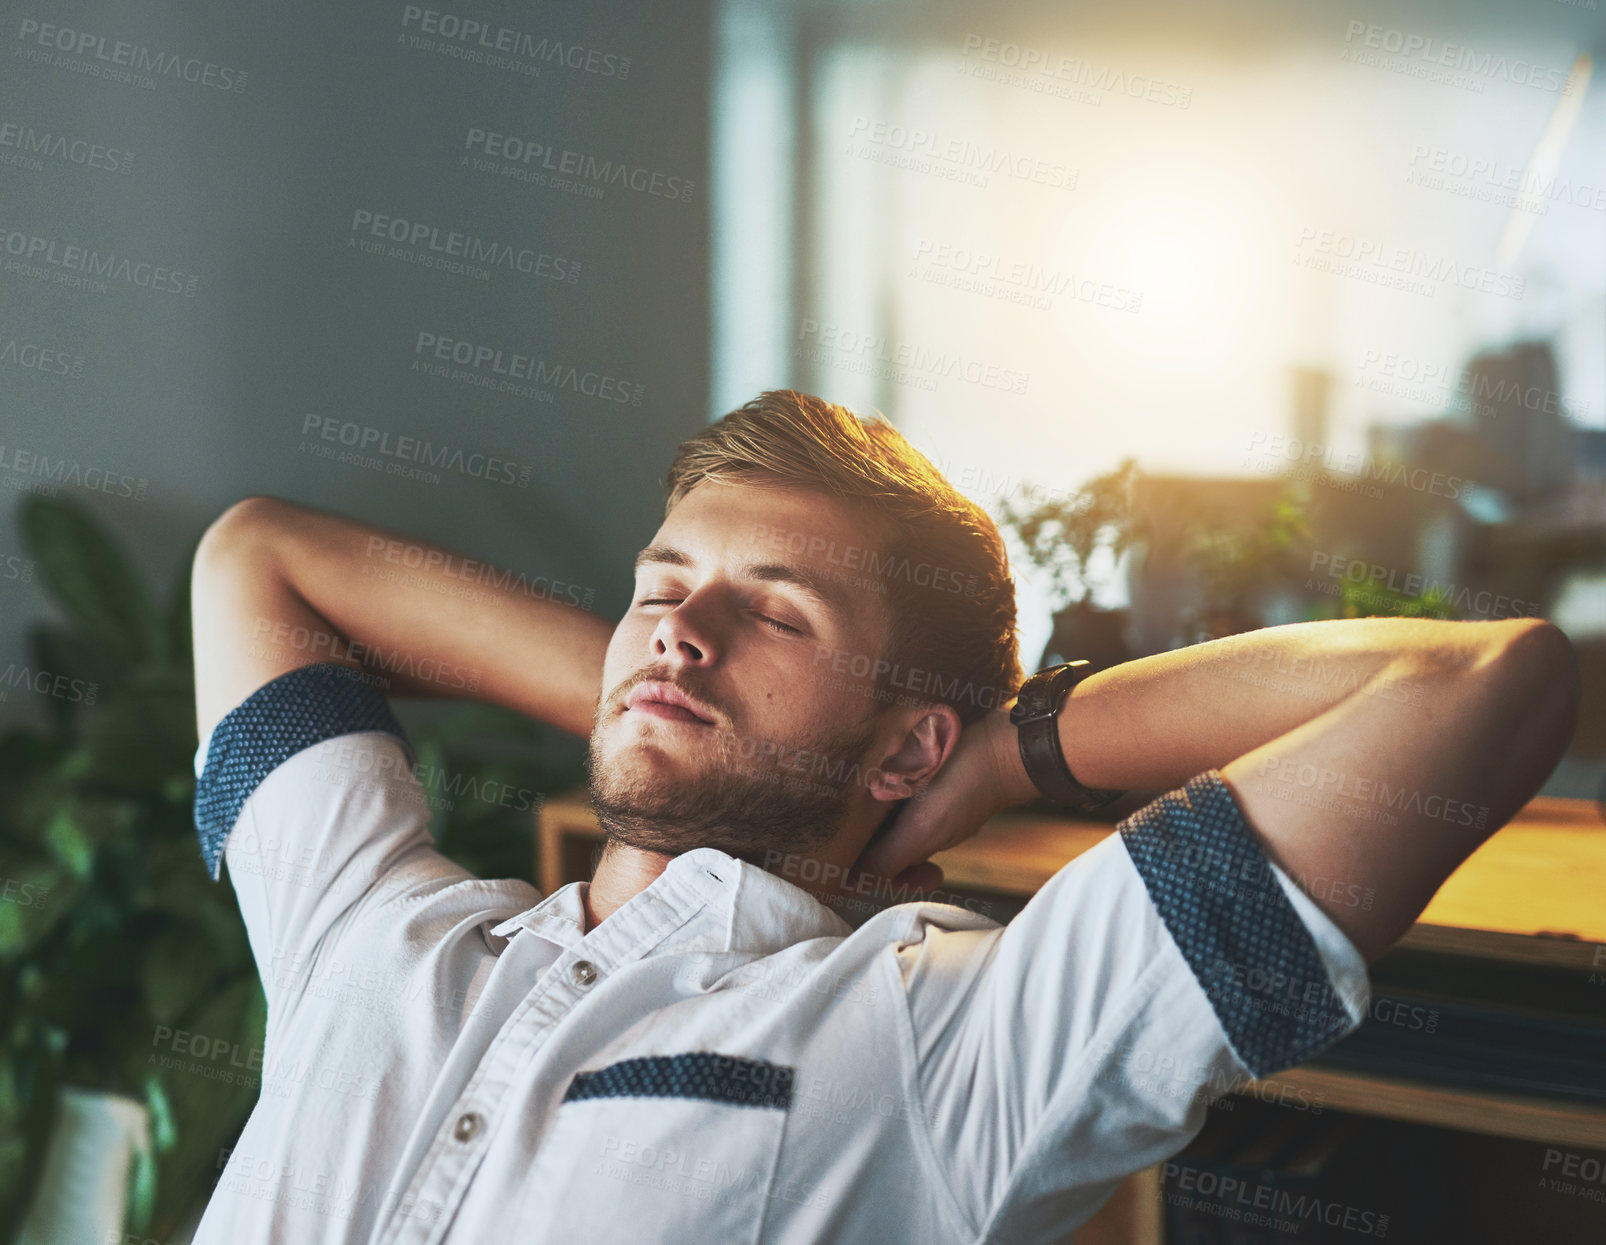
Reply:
x=1376, y=752
x=1153, y=723
x=429, y=619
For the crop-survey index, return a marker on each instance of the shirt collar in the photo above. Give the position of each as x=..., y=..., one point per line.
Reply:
x=742, y=907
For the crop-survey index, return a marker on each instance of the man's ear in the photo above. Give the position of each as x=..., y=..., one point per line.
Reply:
x=923, y=750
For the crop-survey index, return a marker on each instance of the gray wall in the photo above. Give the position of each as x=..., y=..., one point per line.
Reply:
x=238, y=190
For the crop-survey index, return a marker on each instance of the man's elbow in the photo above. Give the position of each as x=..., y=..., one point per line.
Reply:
x=237, y=528
x=1537, y=684
x=1543, y=660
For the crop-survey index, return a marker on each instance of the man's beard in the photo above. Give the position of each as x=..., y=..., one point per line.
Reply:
x=747, y=802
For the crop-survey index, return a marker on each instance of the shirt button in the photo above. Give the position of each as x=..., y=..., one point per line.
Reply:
x=584, y=972
x=468, y=1126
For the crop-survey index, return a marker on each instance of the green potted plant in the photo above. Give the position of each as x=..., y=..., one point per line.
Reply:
x=114, y=933
x=1061, y=538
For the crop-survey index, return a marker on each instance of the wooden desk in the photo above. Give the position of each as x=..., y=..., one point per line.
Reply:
x=1534, y=893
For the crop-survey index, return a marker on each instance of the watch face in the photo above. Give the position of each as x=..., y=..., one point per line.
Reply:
x=1035, y=700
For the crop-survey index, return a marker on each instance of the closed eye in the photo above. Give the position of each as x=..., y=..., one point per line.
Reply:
x=779, y=625
x=776, y=623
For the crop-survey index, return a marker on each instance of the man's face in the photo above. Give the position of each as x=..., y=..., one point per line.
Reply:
x=720, y=724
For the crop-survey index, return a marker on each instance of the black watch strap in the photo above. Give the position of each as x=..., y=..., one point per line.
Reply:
x=1036, y=718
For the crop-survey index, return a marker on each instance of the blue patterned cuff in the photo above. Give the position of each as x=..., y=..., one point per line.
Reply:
x=300, y=708
x=1217, y=894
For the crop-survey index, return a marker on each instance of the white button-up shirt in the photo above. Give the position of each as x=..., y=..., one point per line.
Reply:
x=455, y=1059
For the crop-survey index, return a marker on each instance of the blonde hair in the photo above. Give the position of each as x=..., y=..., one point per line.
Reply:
x=954, y=643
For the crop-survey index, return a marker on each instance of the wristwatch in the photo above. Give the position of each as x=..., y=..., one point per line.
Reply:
x=1036, y=717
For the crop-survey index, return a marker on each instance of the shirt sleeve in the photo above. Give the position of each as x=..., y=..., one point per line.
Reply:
x=307, y=790
x=1155, y=972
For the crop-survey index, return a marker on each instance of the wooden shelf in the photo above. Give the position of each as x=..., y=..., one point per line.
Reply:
x=1492, y=1114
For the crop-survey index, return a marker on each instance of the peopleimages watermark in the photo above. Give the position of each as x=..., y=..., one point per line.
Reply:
x=349, y=763
x=47, y=359
x=115, y=60
x=902, y=362
x=451, y=250
x=372, y=987
x=818, y=772
x=1318, y=779
x=196, y=1054
x=706, y=1178
x=331, y=646
x=1489, y=181
x=1465, y=390
x=772, y=978
x=1268, y=988
x=14, y=567
x=1396, y=267
x=832, y=1101
x=437, y=563
x=877, y=565
x=560, y=168
x=1252, y=879
x=44, y=683
x=1375, y=586
x=1162, y=1073
x=1055, y=74
x=895, y=682
x=1581, y=1175
x=26, y=147
x=974, y=479
x=973, y=271
x=23, y=894
x=839, y=886
x=71, y=264
x=52, y=472
x=1454, y=64
x=499, y=47
x=260, y=1178
x=1313, y=672
x=1266, y=450
x=953, y=159
x=409, y=457
x=1249, y=1201
x=434, y=353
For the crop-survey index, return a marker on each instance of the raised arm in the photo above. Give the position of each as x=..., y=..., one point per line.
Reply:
x=1376, y=753
x=276, y=586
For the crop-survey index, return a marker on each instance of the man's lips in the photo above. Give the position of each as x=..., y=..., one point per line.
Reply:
x=664, y=700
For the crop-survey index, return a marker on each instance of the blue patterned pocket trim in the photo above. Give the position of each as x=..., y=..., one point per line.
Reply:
x=300, y=708
x=728, y=1079
x=1215, y=890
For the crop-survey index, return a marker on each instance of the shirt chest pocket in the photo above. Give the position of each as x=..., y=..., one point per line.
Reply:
x=670, y=1147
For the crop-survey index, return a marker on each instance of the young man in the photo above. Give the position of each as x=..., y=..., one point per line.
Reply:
x=813, y=681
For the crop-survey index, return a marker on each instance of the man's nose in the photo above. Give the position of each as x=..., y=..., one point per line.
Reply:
x=686, y=635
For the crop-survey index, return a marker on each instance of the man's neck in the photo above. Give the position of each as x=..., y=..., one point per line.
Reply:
x=622, y=873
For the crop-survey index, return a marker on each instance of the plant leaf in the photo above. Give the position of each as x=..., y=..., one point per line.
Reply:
x=163, y=1132
x=70, y=844
x=141, y=1193
x=35, y=897
x=92, y=577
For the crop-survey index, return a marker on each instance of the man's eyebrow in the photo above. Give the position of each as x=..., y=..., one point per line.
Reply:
x=662, y=553
x=813, y=582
